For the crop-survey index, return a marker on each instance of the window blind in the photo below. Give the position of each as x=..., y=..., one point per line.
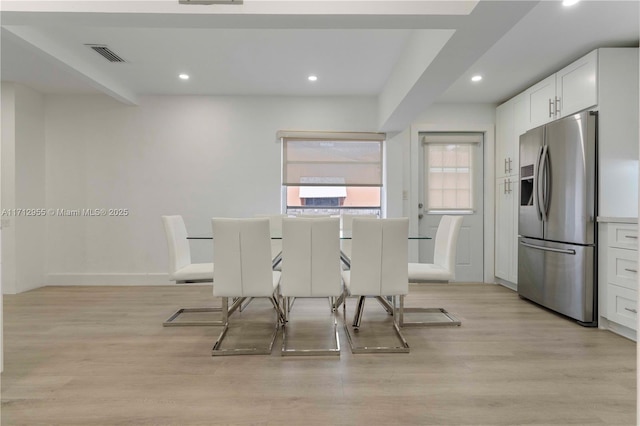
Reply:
x=449, y=177
x=331, y=159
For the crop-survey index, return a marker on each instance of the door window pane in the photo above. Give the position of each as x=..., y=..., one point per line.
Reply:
x=449, y=176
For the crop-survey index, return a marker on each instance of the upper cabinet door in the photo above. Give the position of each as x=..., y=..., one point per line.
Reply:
x=542, y=102
x=504, y=139
x=520, y=126
x=577, y=85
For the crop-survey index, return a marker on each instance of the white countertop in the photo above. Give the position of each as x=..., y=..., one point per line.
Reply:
x=617, y=219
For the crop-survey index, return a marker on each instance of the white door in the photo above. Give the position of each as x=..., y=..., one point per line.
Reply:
x=452, y=183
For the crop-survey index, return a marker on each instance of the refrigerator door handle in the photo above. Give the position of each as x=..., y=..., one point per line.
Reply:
x=544, y=184
x=555, y=250
x=539, y=188
x=546, y=170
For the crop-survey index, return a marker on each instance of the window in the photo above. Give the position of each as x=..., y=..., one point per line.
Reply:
x=449, y=177
x=330, y=173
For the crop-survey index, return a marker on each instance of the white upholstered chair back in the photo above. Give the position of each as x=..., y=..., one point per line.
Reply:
x=347, y=228
x=379, y=257
x=444, y=254
x=275, y=224
x=311, y=257
x=347, y=220
x=179, y=251
x=243, y=257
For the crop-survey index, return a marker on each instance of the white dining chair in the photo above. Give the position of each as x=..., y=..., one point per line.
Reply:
x=378, y=268
x=181, y=270
x=244, y=269
x=310, y=268
x=442, y=269
x=275, y=225
x=347, y=229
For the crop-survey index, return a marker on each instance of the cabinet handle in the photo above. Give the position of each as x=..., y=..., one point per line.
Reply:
x=510, y=165
x=504, y=189
x=631, y=270
x=633, y=237
x=510, y=182
x=550, y=105
x=631, y=310
x=505, y=165
x=557, y=106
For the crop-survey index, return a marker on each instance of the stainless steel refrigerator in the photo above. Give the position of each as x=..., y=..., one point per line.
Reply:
x=557, y=218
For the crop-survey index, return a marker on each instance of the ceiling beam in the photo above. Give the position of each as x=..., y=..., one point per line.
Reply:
x=489, y=21
x=34, y=39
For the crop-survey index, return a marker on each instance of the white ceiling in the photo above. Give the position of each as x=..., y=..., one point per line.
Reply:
x=270, y=47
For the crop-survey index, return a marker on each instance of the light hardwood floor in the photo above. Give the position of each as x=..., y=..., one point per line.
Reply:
x=100, y=356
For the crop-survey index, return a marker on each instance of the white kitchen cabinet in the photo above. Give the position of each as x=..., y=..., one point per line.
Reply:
x=576, y=85
x=511, y=121
x=619, y=278
x=541, y=102
x=521, y=112
x=506, y=226
x=504, y=145
x=572, y=89
x=605, y=80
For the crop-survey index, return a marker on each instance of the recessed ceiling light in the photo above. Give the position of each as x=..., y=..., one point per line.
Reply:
x=312, y=78
x=184, y=76
x=569, y=2
x=476, y=78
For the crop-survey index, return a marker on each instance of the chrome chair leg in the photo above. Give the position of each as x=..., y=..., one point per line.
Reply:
x=357, y=318
x=450, y=320
x=403, y=348
x=336, y=302
x=217, y=351
x=171, y=321
x=309, y=352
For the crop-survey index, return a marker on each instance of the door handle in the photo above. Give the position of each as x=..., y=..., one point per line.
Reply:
x=544, y=183
x=631, y=270
x=631, y=310
x=555, y=250
x=540, y=189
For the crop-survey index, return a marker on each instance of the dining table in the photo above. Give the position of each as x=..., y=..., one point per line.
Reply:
x=344, y=235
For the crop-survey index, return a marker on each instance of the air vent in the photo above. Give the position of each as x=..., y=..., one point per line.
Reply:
x=210, y=1
x=107, y=53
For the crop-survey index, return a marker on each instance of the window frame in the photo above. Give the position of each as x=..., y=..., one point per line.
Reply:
x=471, y=139
x=286, y=137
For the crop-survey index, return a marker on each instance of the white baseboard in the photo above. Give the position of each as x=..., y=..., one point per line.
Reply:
x=115, y=279
x=507, y=284
x=629, y=333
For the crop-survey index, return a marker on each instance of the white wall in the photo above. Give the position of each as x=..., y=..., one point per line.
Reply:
x=23, y=187
x=396, y=186
x=197, y=156
x=456, y=117
x=7, y=182
x=7, y=132
x=618, y=132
